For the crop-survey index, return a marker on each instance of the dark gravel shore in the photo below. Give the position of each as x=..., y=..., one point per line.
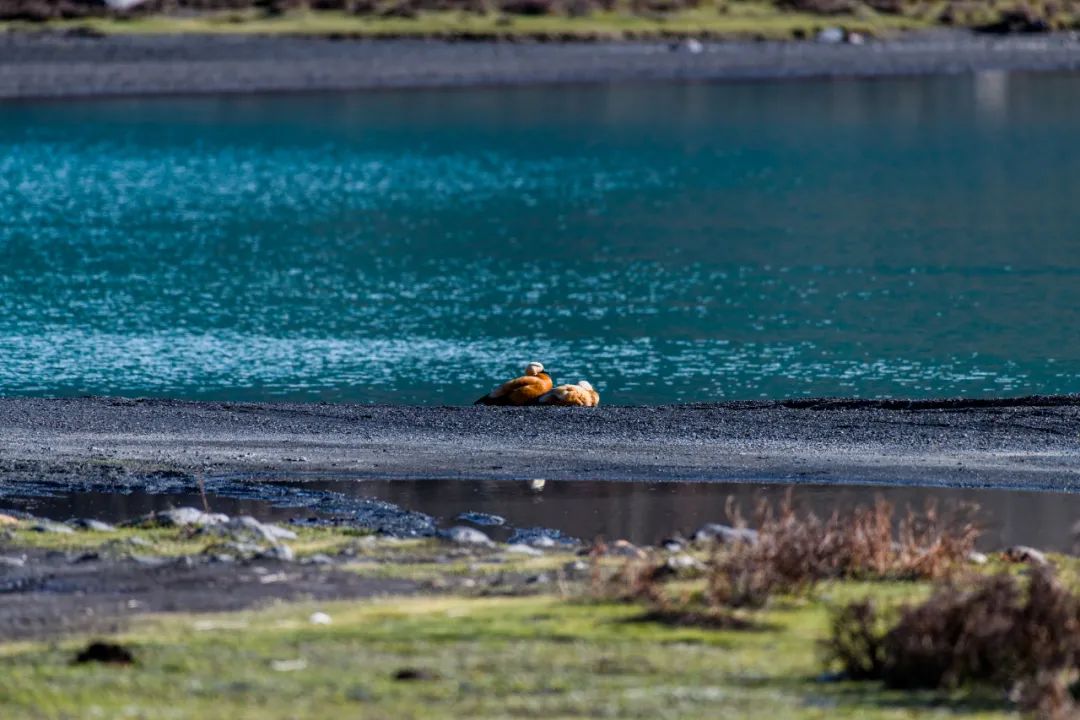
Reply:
x=44, y=65
x=1030, y=442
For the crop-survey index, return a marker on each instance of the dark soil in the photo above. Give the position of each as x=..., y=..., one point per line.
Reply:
x=55, y=594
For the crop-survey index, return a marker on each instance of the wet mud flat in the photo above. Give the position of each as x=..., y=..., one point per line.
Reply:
x=56, y=65
x=49, y=592
x=1022, y=443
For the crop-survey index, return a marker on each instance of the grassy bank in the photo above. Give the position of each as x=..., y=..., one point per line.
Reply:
x=743, y=20
x=476, y=657
x=489, y=631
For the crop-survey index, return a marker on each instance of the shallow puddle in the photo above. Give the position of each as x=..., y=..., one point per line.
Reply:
x=640, y=512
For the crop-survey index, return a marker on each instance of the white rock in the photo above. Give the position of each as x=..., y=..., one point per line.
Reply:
x=466, y=536
x=523, y=549
x=288, y=665
x=831, y=36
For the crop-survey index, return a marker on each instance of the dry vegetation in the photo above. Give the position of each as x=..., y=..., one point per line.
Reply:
x=989, y=630
x=790, y=552
x=975, y=629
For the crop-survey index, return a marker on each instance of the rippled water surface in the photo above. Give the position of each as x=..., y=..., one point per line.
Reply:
x=908, y=237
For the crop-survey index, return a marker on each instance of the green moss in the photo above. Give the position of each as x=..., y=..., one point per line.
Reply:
x=163, y=541
x=519, y=657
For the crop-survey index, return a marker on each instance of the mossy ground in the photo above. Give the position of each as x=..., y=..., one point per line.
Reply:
x=555, y=653
x=483, y=657
x=741, y=19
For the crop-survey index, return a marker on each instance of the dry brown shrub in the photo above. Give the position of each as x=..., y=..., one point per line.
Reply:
x=985, y=630
x=793, y=550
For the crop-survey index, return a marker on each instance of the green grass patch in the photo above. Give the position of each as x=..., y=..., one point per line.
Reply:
x=484, y=657
x=167, y=542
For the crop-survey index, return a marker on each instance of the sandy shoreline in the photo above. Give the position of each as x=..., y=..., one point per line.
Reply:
x=57, y=65
x=1029, y=443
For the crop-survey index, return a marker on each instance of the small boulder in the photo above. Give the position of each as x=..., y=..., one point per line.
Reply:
x=725, y=534
x=184, y=517
x=542, y=537
x=684, y=563
x=280, y=552
x=269, y=531
x=47, y=526
x=673, y=544
x=1025, y=554
x=831, y=36
x=91, y=524
x=625, y=548
x=523, y=549
x=463, y=535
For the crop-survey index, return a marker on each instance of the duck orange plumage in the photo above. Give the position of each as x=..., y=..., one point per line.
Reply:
x=581, y=395
x=522, y=390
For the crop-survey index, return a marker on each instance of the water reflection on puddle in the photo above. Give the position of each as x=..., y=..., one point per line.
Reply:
x=640, y=512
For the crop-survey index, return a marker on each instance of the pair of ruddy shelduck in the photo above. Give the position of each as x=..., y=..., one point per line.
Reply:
x=535, y=388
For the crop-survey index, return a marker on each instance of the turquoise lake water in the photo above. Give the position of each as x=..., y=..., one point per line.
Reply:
x=670, y=243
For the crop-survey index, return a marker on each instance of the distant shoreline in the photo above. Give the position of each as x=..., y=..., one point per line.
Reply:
x=69, y=65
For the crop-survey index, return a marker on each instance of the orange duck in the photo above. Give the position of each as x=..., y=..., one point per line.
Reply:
x=581, y=395
x=523, y=390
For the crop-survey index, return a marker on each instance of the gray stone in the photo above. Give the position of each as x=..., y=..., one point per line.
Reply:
x=673, y=544
x=47, y=526
x=247, y=530
x=523, y=549
x=684, y=562
x=542, y=537
x=831, y=36
x=725, y=534
x=269, y=531
x=1025, y=554
x=91, y=524
x=278, y=552
x=625, y=548
x=318, y=559
x=12, y=562
x=466, y=536
x=185, y=517
x=575, y=567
